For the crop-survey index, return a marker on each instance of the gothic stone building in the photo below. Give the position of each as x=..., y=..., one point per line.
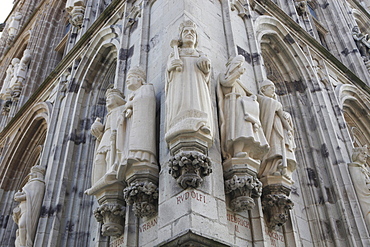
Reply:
x=185, y=123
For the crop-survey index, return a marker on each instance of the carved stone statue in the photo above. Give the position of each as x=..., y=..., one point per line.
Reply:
x=26, y=214
x=23, y=65
x=76, y=9
x=241, y=132
x=14, y=25
x=14, y=79
x=362, y=43
x=360, y=173
x=8, y=78
x=140, y=112
x=109, y=139
x=278, y=128
x=188, y=101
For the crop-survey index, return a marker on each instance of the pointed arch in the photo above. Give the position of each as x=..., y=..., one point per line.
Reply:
x=356, y=107
x=25, y=146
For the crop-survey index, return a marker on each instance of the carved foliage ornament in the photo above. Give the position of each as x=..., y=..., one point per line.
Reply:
x=189, y=168
x=112, y=217
x=276, y=208
x=242, y=189
x=143, y=196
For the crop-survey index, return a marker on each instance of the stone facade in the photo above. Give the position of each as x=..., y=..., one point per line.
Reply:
x=185, y=123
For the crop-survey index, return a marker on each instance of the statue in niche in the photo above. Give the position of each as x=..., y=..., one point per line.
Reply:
x=139, y=119
x=360, y=173
x=241, y=132
x=109, y=140
x=14, y=25
x=188, y=101
x=26, y=214
x=278, y=128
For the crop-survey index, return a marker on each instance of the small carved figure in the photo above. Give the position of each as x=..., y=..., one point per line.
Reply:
x=241, y=132
x=188, y=101
x=109, y=139
x=26, y=214
x=9, y=76
x=278, y=128
x=361, y=42
x=14, y=25
x=360, y=173
x=23, y=65
x=15, y=63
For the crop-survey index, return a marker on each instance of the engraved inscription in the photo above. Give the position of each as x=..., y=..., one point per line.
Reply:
x=191, y=196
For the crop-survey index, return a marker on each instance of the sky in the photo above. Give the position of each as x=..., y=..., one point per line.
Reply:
x=6, y=7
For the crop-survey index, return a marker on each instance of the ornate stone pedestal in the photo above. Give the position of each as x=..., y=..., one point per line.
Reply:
x=112, y=210
x=144, y=198
x=241, y=183
x=275, y=201
x=189, y=168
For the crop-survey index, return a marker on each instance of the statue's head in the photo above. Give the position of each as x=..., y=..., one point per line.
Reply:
x=15, y=61
x=135, y=78
x=114, y=98
x=355, y=29
x=236, y=63
x=37, y=172
x=267, y=88
x=188, y=33
x=360, y=154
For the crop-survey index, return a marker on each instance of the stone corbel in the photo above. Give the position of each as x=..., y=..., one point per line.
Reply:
x=112, y=209
x=276, y=205
x=242, y=190
x=112, y=216
x=143, y=196
x=77, y=11
x=189, y=168
x=301, y=7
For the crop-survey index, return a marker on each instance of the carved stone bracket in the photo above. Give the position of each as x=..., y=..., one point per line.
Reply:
x=189, y=168
x=143, y=196
x=242, y=190
x=77, y=15
x=276, y=205
x=112, y=216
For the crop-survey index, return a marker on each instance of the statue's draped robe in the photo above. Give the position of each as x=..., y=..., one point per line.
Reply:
x=281, y=145
x=104, y=146
x=188, y=101
x=140, y=139
x=234, y=106
x=34, y=191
